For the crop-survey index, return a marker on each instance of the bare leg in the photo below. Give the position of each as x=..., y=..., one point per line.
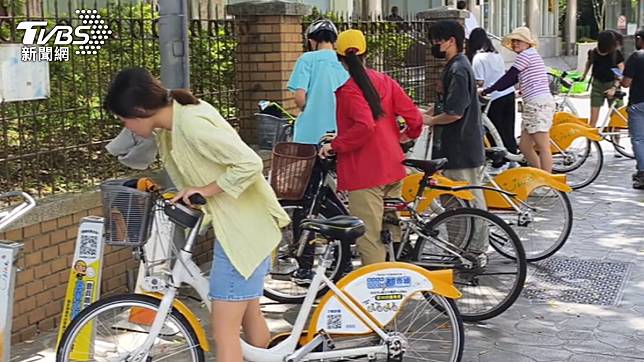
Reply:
x=226, y=329
x=526, y=145
x=594, y=115
x=542, y=141
x=255, y=327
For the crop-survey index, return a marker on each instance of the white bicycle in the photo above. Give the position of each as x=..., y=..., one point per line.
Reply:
x=381, y=312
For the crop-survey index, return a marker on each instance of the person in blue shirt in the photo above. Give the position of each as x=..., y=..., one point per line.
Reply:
x=316, y=76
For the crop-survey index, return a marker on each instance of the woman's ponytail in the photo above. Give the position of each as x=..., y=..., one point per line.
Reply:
x=359, y=74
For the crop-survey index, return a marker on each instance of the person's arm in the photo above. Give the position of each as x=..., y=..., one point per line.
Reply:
x=509, y=79
x=299, y=81
x=629, y=71
x=224, y=147
x=479, y=71
x=300, y=98
x=457, y=100
x=405, y=107
x=589, y=63
x=362, y=127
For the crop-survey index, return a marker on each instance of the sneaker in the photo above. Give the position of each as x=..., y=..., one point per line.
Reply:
x=302, y=277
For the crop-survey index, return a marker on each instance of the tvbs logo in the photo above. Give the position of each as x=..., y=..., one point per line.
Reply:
x=90, y=35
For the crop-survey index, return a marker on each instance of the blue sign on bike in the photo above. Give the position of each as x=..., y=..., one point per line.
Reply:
x=388, y=282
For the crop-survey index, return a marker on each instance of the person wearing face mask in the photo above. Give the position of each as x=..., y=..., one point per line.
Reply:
x=538, y=105
x=316, y=77
x=634, y=78
x=458, y=131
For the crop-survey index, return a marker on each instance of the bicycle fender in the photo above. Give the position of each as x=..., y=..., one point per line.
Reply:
x=190, y=317
x=566, y=117
x=616, y=121
x=410, y=188
x=521, y=181
x=563, y=135
x=379, y=290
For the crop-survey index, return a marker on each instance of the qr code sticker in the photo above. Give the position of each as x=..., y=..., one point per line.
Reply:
x=88, y=246
x=334, y=321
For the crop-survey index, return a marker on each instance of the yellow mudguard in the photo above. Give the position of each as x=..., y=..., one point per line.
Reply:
x=191, y=318
x=521, y=181
x=616, y=121
x=376, y=286
x=565, y=117
x=564, y=134
x=410, y=188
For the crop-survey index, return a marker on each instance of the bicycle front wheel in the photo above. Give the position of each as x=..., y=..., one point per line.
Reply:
x=493, y=278
x=112, y=329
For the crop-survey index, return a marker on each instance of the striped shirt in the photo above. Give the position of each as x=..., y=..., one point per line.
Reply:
x=533, y=78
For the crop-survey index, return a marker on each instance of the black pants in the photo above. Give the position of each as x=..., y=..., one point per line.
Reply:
x=502, y=114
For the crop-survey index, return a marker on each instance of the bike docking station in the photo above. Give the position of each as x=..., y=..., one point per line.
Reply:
x=9, y=253
x=85, y=275
x=84, y=283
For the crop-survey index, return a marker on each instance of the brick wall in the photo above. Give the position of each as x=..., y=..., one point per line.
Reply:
x=269, y=43
x=45, y=263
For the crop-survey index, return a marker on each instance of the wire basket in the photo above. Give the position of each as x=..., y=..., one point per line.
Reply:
x=128, y=214
x=272, y=130
x=291, y=169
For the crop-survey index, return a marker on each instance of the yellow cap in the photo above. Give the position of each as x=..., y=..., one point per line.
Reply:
x=351, y=39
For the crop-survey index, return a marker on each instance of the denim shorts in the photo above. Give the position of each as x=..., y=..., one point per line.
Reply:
x=227, y=284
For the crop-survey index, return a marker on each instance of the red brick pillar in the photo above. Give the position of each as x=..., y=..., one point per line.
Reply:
x=270, y=41
x=435, y=66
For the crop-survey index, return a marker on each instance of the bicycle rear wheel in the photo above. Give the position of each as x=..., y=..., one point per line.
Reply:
x=115, y=330
x=495, y=280
x=581, y=162
x=429, y=327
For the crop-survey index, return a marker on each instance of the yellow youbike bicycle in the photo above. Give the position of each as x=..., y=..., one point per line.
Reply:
x=382, y=312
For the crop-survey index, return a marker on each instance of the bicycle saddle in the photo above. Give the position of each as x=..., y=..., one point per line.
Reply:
x=337, y=228
x=429, y=167
x=496, y=155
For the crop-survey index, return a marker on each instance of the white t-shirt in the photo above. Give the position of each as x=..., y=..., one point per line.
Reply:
x=490, y=67
x=470, y=24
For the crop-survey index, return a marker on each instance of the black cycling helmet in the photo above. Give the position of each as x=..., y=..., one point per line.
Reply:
x=321, y=25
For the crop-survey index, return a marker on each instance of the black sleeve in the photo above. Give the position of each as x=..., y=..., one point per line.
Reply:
x=457, y=99
x=630, y=69
x=619, y=58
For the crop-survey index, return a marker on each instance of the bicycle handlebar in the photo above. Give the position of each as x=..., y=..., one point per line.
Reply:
x=17, y=212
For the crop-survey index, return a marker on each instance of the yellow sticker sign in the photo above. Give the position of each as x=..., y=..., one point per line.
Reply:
x=84, y=283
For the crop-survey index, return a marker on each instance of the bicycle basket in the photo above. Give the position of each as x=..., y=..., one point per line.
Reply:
x=291, y=169
x=128, y=214
x=271, y=130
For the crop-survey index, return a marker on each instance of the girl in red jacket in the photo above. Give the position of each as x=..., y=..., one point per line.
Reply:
x=368, y=142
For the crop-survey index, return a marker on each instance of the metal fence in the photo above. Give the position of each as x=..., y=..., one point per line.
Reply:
x=57, y=145
x=397, y=48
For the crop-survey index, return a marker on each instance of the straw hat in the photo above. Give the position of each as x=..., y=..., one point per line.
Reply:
x=521, y=33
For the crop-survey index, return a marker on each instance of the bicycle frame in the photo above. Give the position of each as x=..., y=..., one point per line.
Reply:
x=186, y=271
